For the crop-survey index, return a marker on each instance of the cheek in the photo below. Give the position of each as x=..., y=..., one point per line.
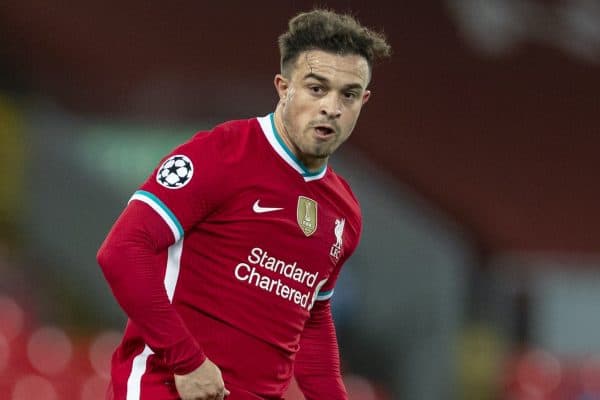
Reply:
x=350, y=122
x=355, y=113
x=290, y=95
x=295, y=107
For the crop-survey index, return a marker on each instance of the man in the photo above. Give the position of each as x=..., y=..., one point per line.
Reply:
x=227, y=256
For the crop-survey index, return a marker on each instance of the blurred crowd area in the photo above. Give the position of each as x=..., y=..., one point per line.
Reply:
x=50, y=362
x=478, y=275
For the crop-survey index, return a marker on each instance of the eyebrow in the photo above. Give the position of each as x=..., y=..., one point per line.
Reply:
x=323, y=79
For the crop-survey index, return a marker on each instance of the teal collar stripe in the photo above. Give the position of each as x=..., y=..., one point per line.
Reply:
x=305, y=172
x=325, y=295
x=163, y=207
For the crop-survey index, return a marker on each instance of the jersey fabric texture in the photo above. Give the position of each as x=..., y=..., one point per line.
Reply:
x=231, y=250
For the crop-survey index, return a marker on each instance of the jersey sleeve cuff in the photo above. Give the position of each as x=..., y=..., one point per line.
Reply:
x=184, y=357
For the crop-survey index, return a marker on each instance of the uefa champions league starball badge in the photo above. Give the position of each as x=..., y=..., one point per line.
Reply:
x=175, y=172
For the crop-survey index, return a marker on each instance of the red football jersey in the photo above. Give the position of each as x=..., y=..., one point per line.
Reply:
x=256, y=241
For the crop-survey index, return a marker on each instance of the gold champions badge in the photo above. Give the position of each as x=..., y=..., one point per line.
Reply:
x=307, y=215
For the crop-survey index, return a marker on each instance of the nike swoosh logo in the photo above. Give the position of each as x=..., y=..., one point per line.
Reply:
x=259, y=210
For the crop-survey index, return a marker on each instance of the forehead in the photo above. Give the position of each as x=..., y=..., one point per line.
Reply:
x=345, y=69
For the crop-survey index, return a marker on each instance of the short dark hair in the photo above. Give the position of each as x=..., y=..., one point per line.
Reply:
x=329, y=31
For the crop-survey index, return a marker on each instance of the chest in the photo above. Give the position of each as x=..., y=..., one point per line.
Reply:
x=269, y=222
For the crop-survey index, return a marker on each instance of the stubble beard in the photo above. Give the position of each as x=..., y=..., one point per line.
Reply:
x=313, y=147
x=304, y=145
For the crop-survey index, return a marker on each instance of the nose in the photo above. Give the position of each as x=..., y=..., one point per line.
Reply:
x=331, y=106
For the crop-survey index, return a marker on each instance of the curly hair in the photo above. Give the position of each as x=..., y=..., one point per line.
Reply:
x=329, y=31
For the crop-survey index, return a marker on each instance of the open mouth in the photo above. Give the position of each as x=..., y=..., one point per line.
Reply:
x=323, y=131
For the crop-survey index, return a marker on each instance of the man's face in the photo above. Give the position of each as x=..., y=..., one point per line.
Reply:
x=320, y=101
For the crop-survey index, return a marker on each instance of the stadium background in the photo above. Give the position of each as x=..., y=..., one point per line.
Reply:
x=475, y=162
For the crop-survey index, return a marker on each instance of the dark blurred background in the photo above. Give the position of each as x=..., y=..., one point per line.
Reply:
x=476, y=164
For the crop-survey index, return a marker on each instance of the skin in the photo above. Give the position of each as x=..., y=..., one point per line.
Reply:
x=204, y=383
x=321, y=89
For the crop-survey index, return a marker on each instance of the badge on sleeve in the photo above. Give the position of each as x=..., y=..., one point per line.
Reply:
x=175, y=172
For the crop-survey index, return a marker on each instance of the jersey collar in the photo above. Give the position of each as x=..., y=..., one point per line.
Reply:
x=267, y=123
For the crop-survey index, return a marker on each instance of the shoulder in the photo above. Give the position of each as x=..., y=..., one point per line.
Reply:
x=228, y=131
x=345, y=200
x=344, y=190
x=229, y=138
x=236, y=127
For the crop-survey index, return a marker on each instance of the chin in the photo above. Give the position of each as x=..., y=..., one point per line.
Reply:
x=321, y=154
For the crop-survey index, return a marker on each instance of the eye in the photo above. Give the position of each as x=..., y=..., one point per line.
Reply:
x=350, y=95
x=316, y=89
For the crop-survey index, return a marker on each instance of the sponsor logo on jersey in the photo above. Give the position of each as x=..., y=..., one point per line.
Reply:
x=307, y=215
x=257, y=208
x=277, y=276
x=175, y=172
x=337, y=248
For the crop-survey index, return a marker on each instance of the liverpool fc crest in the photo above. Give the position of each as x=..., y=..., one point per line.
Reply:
x=337, y=248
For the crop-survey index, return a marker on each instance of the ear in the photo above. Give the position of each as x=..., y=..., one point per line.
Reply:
x=366, y=96
x=282, y=86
